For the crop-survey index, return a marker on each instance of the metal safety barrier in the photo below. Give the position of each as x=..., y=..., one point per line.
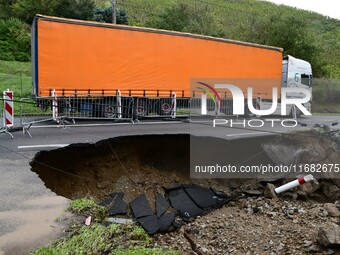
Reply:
x=101, y=107
x=47, y=110
x=160, y=107
x=57, y=111
x=203, y=106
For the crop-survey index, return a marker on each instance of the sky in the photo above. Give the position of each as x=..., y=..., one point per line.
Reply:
x=329, y=8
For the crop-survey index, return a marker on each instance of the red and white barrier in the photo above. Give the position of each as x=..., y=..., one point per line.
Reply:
x=119, y=104
x=55, y=113
x=294, y=183
x=8, y=108
x=173, y=105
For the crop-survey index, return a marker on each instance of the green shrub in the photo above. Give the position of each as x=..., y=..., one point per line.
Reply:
x=326, y=91
x=14, y=40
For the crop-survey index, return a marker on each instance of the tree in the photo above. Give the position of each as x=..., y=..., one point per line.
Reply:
x=5, y=8
x=105, y=15
x=189, y=17
x=75, y=9
x=290, y=33
x=26, y=9
x=14, y=40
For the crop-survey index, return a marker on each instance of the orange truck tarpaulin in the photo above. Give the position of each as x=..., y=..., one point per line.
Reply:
x=78, y=55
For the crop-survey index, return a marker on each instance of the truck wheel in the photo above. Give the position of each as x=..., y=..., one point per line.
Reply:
x=164, y=107
x=106, y=110
x=109, y=111
x=142, y=107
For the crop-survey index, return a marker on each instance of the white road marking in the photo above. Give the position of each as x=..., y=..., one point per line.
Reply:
x=160, y=122
x=254, y=133
x=108, y=124
x=42, y=146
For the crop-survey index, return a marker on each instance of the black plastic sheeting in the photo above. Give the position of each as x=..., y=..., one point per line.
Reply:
x=185, y=201
x=140, y=207
x=115, y=204
x=162, y=205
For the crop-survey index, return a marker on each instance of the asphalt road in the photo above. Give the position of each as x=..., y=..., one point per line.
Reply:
x=28, y=209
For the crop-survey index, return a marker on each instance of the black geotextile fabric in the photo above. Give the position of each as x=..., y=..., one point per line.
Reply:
x=149, y=223
x=115, y=204
x=162, y=205
x=187, y=201
x=141, y=207
x=166, y=220
x=193, y=200
x=181, y=201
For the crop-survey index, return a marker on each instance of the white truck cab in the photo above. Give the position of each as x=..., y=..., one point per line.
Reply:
x=297, y=73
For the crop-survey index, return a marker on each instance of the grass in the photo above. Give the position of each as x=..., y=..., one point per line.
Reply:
x=85, y=207
x=80, y=205
x=326, y=109
x=97, y=238
x=325, y=114
x=16, y=76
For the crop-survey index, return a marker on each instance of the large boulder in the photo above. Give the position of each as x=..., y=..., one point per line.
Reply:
x=331, y=209
x=329, y=234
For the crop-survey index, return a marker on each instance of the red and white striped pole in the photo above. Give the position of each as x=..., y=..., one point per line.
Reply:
x=8, y=108
x=293, y=184
x=173, y=105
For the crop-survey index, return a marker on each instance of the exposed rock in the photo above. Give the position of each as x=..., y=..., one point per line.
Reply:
x=331, y=191
x=310, y=187
x=253, y=192
x=269, y=191
x=303, y=155
x=331, y=209
x=308, y=243
x=329, y=234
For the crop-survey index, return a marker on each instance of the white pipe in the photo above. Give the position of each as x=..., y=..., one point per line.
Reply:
x=294, y=184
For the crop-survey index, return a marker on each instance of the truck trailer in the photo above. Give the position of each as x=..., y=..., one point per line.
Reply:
x=78, y=58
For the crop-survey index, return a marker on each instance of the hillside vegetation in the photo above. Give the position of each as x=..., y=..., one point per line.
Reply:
x=304, y=34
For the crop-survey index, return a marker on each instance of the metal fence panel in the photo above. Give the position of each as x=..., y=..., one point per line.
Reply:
x=212, y=108
x=160, y=107
x=98, y=107
x=40, y=110
x=183, y=107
